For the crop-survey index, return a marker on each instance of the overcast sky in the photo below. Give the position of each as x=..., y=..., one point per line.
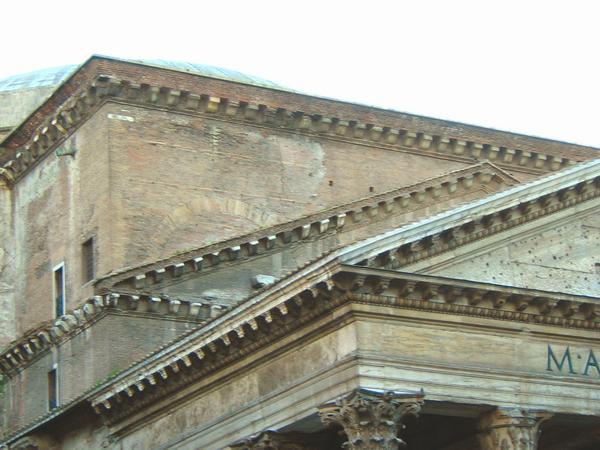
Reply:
x=526, y=66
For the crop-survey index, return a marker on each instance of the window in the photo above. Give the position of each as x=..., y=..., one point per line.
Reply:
x=59, y=290
x=53, y=388
x=87, y=260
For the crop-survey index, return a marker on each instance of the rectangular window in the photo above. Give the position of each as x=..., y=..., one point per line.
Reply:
x=53, y=388
x=87, y=260
x=59, y=290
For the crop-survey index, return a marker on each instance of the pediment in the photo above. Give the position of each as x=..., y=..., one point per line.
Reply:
x=544, y=235
x=562, y=255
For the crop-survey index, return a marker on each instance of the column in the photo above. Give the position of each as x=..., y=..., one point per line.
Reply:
x=510, y=429
x=372, y=419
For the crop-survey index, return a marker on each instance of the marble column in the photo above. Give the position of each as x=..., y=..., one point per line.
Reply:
x=510, y=429
x=372, y=419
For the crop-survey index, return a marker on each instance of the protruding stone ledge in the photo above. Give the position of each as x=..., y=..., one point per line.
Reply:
x=83, y=104
x=431, y=293
x=366, y=210
x=483, y=226
x=25, y=350
x=372, y=419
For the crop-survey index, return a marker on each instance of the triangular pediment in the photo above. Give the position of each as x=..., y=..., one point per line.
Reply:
x=561, y=254
x=544, y=235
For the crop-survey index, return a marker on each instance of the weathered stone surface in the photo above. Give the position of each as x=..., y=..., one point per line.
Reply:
x=372, y=419
x=556, y=257
x=511, y=429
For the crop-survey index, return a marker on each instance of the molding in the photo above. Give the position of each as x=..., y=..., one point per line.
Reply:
x=501, y=239
x=481, y=227
x=315, y=226
x=346, y=284
x=88, y=99
x=21, y=353
x=478, y=219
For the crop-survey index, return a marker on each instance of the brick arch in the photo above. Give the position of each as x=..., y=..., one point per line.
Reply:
x=208, y=219
x=187, y=212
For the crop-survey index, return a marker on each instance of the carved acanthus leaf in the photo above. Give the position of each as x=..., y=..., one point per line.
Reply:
x=372, y=419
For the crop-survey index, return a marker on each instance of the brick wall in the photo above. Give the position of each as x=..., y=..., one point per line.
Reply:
x=179, y=182
x=108, y=346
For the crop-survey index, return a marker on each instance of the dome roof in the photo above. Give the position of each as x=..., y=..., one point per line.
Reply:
x=208, y=71
x=54, y=76
x=39, y=78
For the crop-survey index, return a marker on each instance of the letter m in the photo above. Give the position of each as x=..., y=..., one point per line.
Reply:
x=559, y=365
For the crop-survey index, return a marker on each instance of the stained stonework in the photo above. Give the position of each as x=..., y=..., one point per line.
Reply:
x=511, y=429
x=561, y=257
x=372, y=420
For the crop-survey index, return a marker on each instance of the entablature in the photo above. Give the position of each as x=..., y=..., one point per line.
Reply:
x=207, y=351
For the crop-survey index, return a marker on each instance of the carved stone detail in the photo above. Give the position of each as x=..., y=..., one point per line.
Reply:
x=272, y=440
x=372, y=419
x=510, y=429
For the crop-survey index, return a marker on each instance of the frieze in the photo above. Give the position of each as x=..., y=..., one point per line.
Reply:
x=567, y=361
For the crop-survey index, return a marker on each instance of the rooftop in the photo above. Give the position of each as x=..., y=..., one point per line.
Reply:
x=54, y=76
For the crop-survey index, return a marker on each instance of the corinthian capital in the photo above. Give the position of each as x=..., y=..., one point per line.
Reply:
x=510, y=429
x=372, y=418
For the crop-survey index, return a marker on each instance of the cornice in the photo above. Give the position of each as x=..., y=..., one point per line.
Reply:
x=481, y=226
x=83, y=103
x=347, y=284
x=33, y=344
x=314, y=226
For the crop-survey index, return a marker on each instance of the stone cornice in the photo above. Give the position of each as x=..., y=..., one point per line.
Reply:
x=481, y=227
x=479, y=219
x=462, y=297
x=83, y=103
x=346, y=284
x=314, y=226
x=36, y=342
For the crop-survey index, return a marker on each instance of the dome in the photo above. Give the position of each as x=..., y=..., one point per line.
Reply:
x=39, y=78
x=54, y=76
x=207, y=71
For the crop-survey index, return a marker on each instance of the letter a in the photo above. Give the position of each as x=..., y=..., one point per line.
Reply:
x=591, y=362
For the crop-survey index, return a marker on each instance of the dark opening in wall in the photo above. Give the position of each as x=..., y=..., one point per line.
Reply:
x=53, y=389
x=87, y=260
x=59, y=290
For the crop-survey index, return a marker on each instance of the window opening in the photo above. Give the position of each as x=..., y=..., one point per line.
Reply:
x=87, y=260
x=59, y=290
x=53, y=388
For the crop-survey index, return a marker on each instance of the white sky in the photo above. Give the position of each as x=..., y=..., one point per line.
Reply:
x=526, y=66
